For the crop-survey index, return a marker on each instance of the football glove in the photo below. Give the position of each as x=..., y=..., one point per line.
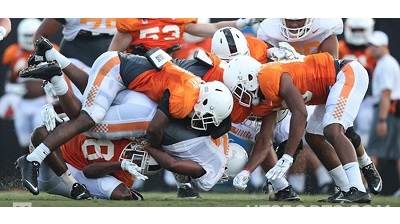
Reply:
x=49, y=89
x=3, y=33
x=290, y=52
x=280, y=168
x=241, y=179
x=50, y=117
x=133, y=169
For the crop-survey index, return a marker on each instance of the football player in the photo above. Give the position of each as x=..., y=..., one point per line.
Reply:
x=23, y=97
x=114, y=72
x=318, y=80
x=138, y=35
x=309, y=36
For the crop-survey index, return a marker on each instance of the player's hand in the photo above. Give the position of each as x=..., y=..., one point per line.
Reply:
x=3, y=33
x=290, y=52
x=133, y=169
x=241, y=179
x=280, y=168
x=50, y=117
x=49, y=89
x=245, y=22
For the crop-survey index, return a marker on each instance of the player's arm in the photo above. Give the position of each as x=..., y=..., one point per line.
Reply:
x=294, y=100
x=331, y=45
x=184, y=167
x=263, y=144
x=100, y=169
x=208, y=29
x=48, y=28
x=120, y=42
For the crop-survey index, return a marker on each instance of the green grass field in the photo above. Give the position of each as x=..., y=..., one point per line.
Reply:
x=155, y=199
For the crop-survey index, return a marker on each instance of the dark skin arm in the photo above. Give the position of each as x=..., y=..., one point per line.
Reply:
x=331, y=45
x=101, y=169
x=264, y=143
x=47, y=29
x=294, y=100
x=156, y=129
x=184, y=167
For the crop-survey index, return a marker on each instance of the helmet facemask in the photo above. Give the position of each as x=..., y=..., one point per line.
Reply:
x=295, y=34
x=135, y=153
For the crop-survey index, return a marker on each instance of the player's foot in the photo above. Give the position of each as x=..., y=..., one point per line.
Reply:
x=354, y=196
x=42, y=45
x=136, y=196
x=373, y=178
x=29, y=173
x=80, y=192
x=286, y=194
x=333, y=197
x=44, y=70
x=187, y=192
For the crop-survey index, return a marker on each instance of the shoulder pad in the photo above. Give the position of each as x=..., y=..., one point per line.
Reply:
x=202, y=56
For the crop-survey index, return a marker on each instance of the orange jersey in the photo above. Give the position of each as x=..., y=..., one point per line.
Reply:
x=184, y=87
x=151, y=33
x=82, y=151
x=15, y=58
x=362, y=55
x=258, y=49
x=187, y=49
x=313, y=76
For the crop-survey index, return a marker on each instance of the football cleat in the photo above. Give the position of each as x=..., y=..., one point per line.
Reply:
x=80, y=192
x=286, y=194
x=44, y=70
x=333, y=197
x=42, y=45
x=29, y=173
x=187, y=192
x=373, y=178
x=353, y=196
x=136, y=196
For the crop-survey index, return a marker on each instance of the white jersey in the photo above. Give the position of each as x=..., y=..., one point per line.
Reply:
x=208, y=153
x=386, y=76
x=270, y=32
x=95, y=25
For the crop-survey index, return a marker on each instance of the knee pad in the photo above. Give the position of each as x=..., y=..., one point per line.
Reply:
x=98, y=113
x=353, y=136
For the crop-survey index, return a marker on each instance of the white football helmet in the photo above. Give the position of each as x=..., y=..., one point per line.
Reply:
x=294, y=34
x=356, y=30
x=215, y=103
x=25, y=32
x=237, y=158
x=136, y=153
x=189, y=38
x=241, y=77
x=229, y=42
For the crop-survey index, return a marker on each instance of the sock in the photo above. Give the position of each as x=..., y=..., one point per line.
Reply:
x=354, y=175
x=298, y=182
x=340, y=178
x=179, y=184
x=322, y=176
x=39, y=154
x=60, y=86
x=279, y=184
x=53, y=54
x=364, y=160
x=68, y=179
